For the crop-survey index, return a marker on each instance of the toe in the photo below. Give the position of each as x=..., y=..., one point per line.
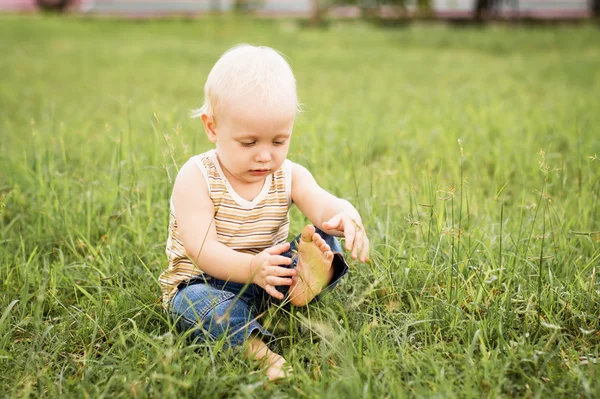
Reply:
x=318, y=239
x=329, y=256
x=308, y=233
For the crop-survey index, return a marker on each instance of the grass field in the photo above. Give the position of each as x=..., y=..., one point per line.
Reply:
x=470, y=153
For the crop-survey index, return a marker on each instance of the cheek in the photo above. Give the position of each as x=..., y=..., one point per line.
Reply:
x=283, y=151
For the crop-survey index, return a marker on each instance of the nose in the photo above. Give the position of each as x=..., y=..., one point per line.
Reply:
x=263, y=156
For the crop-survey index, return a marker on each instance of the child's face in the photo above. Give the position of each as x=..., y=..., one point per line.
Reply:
x=251, y=142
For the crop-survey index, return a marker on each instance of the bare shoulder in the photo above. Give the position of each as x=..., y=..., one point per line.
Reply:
x=190, y=186
x=303, y=183
x=300, y=173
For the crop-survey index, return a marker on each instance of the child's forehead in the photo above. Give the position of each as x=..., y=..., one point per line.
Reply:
x=249, y=110
x=251, y=119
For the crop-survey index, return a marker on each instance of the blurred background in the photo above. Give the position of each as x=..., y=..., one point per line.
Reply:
x=315, y=10
x=470, y=149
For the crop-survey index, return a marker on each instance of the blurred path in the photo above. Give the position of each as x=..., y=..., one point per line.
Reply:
x=542, y=9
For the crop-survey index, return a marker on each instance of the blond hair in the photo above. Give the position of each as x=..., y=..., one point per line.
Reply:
x=244, y=70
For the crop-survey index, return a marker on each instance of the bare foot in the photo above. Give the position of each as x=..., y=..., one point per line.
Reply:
x=276, y=366
x=314, y=267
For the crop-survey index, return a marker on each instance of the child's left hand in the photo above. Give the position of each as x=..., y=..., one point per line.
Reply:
x=354, y=234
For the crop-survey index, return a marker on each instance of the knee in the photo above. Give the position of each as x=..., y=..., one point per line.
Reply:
x=224, y=314
x=202, y=308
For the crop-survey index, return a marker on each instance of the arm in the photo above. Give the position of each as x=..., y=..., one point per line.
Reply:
x=333, y=215
x=195, y=218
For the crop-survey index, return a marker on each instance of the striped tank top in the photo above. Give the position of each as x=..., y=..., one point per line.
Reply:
x=242, y=225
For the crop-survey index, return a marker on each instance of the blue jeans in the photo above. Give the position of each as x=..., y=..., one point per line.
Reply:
x=211, y=308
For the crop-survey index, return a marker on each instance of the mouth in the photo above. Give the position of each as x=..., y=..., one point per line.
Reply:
x=259, y=172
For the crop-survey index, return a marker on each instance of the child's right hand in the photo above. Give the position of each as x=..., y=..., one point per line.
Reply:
x=268, y=272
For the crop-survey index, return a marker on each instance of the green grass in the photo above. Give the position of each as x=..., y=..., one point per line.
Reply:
x=483, y=280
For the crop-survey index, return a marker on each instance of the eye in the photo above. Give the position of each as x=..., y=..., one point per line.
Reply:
x=247, y=144
x=279, y=142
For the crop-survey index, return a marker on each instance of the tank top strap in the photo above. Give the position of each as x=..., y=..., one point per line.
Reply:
x=206, y=162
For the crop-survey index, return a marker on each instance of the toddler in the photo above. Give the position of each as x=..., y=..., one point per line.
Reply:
x=227, y=249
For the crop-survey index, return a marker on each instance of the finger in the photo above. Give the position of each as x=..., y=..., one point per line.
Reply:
x=358, y=240
x=335, y=232
x=364, y=253
x=349, y=236
x=272, y=280
x=333, y=223
x=278, y=249
x=273, y=292
x=277, y=260
x=279, y=271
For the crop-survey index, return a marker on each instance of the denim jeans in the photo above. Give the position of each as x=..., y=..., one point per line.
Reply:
x=211, y=308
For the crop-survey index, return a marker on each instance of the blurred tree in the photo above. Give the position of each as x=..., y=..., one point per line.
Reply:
x=595, y=6
x=316, y=13
x=424, y=7
x=52, y=5
x=246, y=6
x=483, y=9
x=369, y=8
x=372, y=8
x=240, y=6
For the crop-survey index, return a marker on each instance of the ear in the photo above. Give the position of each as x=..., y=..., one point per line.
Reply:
x=210, y=127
